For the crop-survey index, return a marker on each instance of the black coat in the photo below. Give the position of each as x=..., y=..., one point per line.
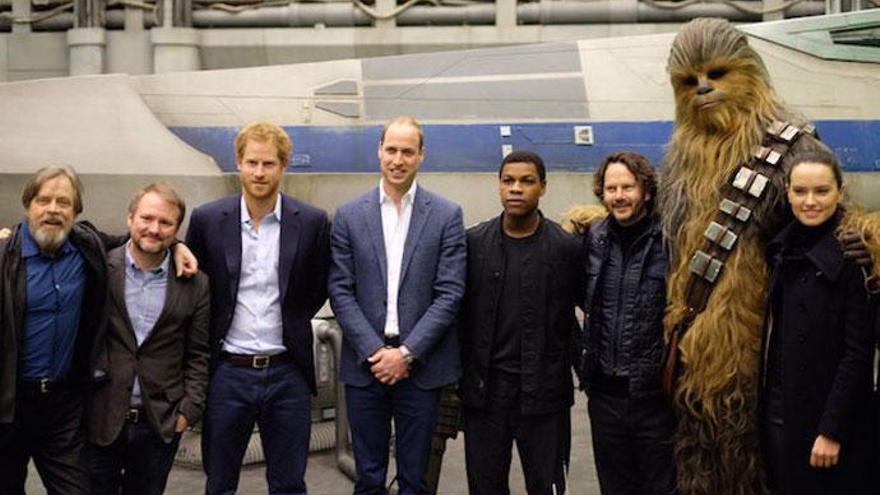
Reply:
x=826, y=344
x=90, y=334
x=623, y=328
x=550, y=340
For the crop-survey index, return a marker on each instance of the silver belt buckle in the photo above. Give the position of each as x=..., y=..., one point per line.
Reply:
x=260, y=362
x=44, y=385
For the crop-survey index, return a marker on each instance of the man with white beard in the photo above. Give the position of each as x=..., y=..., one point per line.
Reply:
x=53, y=284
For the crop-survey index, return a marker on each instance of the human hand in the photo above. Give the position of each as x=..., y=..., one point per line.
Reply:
x=5, y=233
x=825, y=453
x=389, y=366
x=181, y=424
x=185, y=261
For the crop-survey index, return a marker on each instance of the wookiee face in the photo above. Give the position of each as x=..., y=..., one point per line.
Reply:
x=716, y=76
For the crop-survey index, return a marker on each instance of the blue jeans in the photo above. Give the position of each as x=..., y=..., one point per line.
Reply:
x=138, y=462
x=278, y=399
x=370, y=412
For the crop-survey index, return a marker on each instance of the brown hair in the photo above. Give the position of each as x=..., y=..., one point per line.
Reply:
x=404, y=120
x=164, y=191
x=639, y=166
x=45, y=174
x=821, y=157
x=264, y=132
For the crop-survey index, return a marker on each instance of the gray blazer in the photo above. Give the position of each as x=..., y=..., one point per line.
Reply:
x=172, y=362
x=431, y=286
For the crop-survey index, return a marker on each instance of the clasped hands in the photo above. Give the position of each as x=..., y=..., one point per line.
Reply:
x=388, y=365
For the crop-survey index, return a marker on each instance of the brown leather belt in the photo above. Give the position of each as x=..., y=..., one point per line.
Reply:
x=37, y=388
x=256, y=361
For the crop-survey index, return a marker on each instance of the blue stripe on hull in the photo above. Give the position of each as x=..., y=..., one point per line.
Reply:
x=478, y=147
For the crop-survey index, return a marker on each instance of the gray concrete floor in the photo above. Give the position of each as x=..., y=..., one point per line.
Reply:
x=323, y=478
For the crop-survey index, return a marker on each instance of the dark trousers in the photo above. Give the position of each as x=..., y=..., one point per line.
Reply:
x=137, y=463
x=47, y=428
x=371, y=410
x=541, y=440
x=278, y=399
x=632, y=444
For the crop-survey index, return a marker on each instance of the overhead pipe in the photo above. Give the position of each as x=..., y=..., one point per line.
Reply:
x=347, y=15
x=626, y=12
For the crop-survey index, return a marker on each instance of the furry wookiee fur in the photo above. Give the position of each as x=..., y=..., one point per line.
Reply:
x=724, y=103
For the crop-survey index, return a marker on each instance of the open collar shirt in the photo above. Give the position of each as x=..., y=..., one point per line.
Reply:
x=256, y=325
x=395, y=226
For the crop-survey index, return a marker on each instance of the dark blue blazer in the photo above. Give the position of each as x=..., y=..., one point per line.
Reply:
x=214, y=236
x=431, y=287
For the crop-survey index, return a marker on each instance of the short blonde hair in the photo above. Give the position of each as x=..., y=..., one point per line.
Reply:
x=264, y=132
x=405, y=120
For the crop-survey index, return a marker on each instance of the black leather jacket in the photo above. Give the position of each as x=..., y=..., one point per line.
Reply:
x=624, y=303
x=13, y=284
x=550, y=340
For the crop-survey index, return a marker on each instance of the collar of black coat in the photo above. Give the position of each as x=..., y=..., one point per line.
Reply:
x=826, y=253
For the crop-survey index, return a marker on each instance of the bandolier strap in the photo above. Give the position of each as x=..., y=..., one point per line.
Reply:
x=741, y=195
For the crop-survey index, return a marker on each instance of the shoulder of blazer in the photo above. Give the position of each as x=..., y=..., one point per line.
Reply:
x=226, y=204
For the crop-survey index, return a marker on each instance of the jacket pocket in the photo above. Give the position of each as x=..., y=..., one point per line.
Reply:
x=174, y=393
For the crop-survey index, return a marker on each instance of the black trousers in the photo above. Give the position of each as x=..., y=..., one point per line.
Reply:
x=48, y=428
x=632, y=444
x=542, y=441
x=137, y=463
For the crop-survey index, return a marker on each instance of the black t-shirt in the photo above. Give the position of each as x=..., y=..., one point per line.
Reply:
x=507, y=341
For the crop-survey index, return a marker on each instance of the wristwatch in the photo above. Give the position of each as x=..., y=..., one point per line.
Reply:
x=407, y=355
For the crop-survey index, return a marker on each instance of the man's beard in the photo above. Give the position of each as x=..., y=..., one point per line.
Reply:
x=49, y=242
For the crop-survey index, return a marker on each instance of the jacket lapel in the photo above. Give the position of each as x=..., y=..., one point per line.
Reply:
x=230, y=229
x=116, y=285
x=421, y=210
x=289, y=242
x=373, y=214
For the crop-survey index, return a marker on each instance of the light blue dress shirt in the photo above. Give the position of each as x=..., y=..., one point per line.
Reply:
x=256, y=326
x=144, y=300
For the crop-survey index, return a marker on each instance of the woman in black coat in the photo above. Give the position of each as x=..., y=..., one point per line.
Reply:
x=817, y=425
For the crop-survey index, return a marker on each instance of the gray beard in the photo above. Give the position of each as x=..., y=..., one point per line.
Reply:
x=49, y=243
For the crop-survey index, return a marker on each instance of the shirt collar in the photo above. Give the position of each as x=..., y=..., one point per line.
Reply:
x=29, y=246
x=130, y=264
x=246, y=217
x=406, y=199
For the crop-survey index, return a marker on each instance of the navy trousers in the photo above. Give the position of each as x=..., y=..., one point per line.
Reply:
x=276, y=398
x=138, y=462
x=371, y=410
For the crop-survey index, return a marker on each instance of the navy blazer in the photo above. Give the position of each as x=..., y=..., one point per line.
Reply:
x=214, y=236
x=431, y=286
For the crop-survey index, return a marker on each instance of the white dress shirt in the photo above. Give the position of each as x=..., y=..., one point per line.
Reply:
x=395, y=227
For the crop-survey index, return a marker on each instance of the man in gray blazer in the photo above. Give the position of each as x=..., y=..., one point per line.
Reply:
x=396, y=281
x=156, y=354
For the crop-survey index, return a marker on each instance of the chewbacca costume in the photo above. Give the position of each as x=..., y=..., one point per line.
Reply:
x=724, y=105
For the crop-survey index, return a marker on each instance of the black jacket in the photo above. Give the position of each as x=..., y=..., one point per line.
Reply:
x=550, y=338
x=624, y=303
x=13, y=286
x=822, y=311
